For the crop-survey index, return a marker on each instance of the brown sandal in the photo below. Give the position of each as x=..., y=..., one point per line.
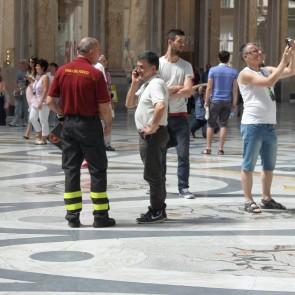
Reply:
x=252, y=207
x=206, y=152
x=220, y=152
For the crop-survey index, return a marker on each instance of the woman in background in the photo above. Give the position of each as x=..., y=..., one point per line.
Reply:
x=39, y=111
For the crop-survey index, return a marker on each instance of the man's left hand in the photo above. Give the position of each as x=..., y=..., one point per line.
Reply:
x=150, y=129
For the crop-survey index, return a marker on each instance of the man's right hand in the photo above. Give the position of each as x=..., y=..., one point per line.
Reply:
x=135, y=77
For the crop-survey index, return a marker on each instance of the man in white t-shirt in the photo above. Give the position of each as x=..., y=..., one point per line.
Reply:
x=151, y=100
x=178, y=74
x=258, y=120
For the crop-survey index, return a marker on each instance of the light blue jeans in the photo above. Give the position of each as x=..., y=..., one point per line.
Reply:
x=259, y=139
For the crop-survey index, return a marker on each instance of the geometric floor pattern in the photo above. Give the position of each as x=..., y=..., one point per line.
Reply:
x=208, y=246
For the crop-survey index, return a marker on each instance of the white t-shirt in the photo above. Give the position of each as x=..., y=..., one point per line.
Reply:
x=175, y=74
x=259, y=108
x=100, y=67
x=150, y=93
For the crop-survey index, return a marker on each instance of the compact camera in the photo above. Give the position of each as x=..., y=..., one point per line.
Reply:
x=289, y=41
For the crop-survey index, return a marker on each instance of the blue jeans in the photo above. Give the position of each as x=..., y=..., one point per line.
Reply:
x=259, y=139
x=179, y=136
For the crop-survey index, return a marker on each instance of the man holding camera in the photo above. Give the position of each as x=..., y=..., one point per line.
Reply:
x=259, y=119
x=151, y=100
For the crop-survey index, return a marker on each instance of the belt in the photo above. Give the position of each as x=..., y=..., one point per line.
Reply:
x=79, y=117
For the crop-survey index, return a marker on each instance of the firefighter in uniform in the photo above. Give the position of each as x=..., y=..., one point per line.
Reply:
x=84, y=102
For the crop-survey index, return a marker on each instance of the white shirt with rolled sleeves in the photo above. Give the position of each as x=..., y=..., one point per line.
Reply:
x=175, y=74
x=150, y=93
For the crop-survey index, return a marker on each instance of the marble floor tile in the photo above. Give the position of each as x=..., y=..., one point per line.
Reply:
x=208, y=245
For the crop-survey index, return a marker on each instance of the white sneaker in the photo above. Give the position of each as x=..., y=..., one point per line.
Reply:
x=185, y=193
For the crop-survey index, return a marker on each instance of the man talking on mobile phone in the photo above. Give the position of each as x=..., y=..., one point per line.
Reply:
x=151, y=100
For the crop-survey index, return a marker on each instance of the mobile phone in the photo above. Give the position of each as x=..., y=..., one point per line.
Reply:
x=136, y=73
x=289, y=42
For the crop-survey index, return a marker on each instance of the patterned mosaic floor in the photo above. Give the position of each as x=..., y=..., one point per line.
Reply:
x=208, y=246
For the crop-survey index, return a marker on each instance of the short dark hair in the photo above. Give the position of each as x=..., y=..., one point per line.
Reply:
x=223, y=56
x=34, y=59
x=53, y=64
x=43, y=63
x=243, y=49
x=151, y=57
x=175, y=32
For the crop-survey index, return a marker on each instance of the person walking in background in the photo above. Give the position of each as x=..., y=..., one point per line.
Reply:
x=104, y=62
x=39, y=111
x=151, y=100
x=221, y=98
x=3, y=102
x=259, y=119
x=178, y=74
x=53, y=67
x=20, y=103
x=30, y=77
x=84, y=103
x=198, y=117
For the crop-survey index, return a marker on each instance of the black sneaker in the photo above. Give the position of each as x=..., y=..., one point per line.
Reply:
x=152, y=217
x=110, y=149
x=103, y=221
x=73, y=220
x=74, y=223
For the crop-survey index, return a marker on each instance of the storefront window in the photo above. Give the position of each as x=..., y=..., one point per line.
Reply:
x=69, y=29
x=226, y=26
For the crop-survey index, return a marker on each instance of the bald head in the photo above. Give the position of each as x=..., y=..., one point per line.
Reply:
x=90, y=48
x=86, y=44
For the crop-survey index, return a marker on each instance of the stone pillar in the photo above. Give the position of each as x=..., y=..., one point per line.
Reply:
x=154, y=22
x=214, y=33
x=46, y=28
x=245, y=30
x=278, y=29
x=7, y=32
x=169, y=19
x=114, y=32
x=136, y=36
x=203, y=36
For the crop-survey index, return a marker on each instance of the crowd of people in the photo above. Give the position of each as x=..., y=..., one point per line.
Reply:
x=80, y=94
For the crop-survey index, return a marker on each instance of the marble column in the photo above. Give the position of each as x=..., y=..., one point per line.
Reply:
x=7, y=31
x=114, y=32
x=45, y=28
x=136, y=36
x=155, y=35
x=214, y=33
x=203, y=33
x=278, y=29
x=245, y=26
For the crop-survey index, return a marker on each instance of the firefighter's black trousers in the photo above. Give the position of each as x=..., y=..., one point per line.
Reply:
x=82, y=138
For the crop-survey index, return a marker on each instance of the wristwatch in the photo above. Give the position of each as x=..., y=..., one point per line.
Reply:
x=60, y=117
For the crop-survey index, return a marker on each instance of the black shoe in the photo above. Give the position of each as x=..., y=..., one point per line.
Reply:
x=152, y=216
x=103, y=221
x=272, y=204
x=74, y=223
x=110, y=148
x=73, y=219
